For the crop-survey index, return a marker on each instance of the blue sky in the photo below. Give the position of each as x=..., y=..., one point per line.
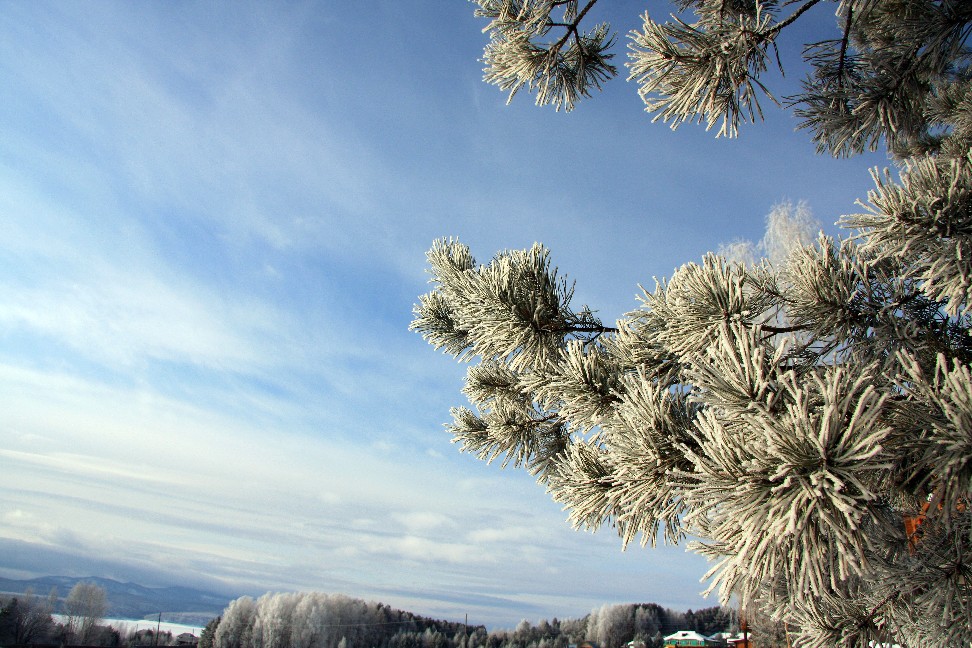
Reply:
x=213, y=220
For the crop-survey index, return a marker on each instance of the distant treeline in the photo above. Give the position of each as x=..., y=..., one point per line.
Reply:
x=316, y=620
x=29, y=620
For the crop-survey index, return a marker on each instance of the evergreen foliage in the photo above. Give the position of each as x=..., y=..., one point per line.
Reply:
x=207, y=638
x=892, y=70
x=807, y=418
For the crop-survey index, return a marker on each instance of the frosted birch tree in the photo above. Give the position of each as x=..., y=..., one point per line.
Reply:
x=235, y=629
x=807, y=420
x=85, y=606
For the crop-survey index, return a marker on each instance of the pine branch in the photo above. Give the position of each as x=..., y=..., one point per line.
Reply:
x=843, y=49
x=591, y=328
x=783, y=24
x=571, y=29
x=777, y=330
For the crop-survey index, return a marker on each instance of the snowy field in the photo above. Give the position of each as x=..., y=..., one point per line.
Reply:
x=124, y=626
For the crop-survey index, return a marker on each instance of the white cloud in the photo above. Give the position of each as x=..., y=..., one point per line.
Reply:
x=423, y=521
x=216, y=121
x=515, y=534
x=431, y=552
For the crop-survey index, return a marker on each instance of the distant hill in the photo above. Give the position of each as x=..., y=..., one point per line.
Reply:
x=133, y=601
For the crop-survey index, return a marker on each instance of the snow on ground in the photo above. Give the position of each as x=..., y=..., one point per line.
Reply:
x=131, y=625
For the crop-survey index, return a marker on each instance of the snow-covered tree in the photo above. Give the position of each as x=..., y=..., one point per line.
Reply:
x=892, y=70
x=309, y=622
x=612, y=626
x=85, y=606
x=788, y=227
x=235, y=629
x=808, y=416
x=319, y=620
x=273, y=623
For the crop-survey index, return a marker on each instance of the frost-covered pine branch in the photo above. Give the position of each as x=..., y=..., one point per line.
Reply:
x=530, y=46
x=794, y=419
x=892, y=72
x=802, y=408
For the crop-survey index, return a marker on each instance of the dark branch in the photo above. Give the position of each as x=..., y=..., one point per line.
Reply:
x=776, y=330
x=796, y=14
x=843, y=49
x=571, y=29
x=590, y=328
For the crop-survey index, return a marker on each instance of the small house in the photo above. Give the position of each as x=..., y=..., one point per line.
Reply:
x=686, y=638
